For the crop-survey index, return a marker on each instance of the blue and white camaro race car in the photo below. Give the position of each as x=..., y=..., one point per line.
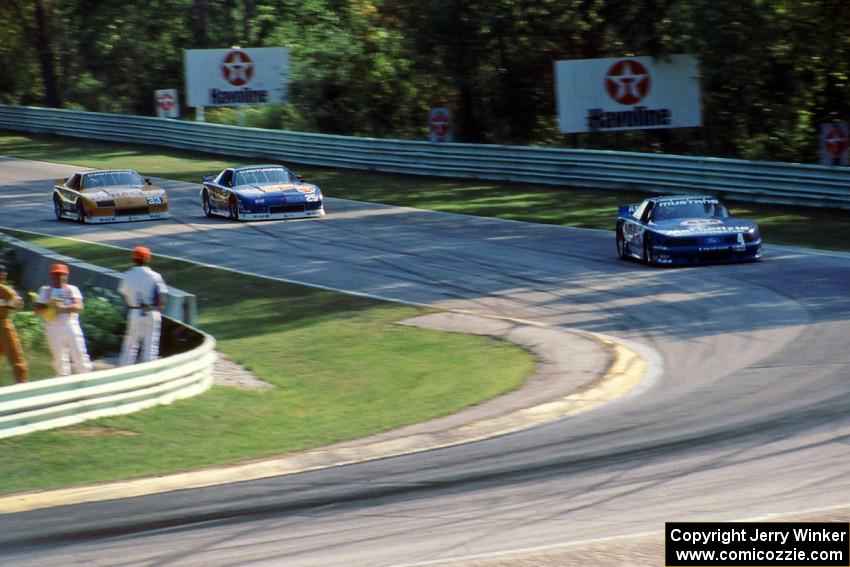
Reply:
x=260, y=192
x=685, y=230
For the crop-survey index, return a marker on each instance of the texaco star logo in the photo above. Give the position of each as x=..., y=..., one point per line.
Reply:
x=237, y=68
x=628, y=82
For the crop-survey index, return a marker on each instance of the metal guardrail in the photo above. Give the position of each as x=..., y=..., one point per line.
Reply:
x=59, y=402
x=773, y=182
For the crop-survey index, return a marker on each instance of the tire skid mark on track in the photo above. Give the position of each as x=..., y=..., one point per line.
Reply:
x=628, y=370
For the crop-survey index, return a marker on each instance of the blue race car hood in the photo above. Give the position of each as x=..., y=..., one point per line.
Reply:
x=278, y=190
x=694, y=227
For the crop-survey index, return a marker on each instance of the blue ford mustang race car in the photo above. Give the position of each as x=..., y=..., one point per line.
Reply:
x=258, y=192
x=685, y=230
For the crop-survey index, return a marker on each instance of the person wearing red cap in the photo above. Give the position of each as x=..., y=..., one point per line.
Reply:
x=60, y=303
x=9, y=343
x=144, y=291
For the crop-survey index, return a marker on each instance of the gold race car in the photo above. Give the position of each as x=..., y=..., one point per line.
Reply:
x=113, y=195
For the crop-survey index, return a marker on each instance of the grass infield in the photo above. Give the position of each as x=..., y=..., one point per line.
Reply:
x=810, y=227
x=340, y=366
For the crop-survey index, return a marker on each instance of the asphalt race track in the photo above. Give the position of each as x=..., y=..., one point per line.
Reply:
x=749, y=418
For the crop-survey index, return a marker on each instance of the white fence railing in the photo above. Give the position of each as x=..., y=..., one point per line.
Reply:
x=59, y=402
x=774, y=182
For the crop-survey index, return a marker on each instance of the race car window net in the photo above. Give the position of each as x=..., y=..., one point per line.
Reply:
x=264, y=176
x=112, y=179
x=225, y=178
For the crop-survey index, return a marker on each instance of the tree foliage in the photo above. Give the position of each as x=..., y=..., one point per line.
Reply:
x=771, y=71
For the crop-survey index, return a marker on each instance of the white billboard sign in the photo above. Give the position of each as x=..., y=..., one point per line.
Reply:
x=627, y=93
x=167, y=103
x=230, y=77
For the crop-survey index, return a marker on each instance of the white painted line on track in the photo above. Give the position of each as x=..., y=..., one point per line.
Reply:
x=528, y=550
x=612, y=539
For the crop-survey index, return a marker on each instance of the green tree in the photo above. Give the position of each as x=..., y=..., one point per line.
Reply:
x=771, y=72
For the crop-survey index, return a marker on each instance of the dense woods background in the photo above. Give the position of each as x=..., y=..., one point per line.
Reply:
x=772, y=70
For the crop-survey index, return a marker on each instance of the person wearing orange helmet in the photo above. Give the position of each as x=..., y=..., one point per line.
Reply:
x=60, y=304
x=145, y=291
x=9, y=343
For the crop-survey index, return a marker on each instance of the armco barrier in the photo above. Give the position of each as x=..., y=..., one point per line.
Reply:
x=774, y=182
x=184, y=371
x=59, y=402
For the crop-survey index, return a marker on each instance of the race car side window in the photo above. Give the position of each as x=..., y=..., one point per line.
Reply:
x=73, y=182
x=646, y=214
x=226, y=178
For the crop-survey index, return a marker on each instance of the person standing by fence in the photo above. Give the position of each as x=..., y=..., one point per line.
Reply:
x=60, y=303
x=9, y=343
x=145, y=291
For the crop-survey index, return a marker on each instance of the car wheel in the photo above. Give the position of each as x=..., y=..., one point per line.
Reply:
x=81, y=212
x=57, y=208
x=205, y=203
x=621, y=244
x=234, y=207
x=647, y=249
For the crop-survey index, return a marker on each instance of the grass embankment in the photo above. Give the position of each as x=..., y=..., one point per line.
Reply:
x=340, y=366
x=816, y=228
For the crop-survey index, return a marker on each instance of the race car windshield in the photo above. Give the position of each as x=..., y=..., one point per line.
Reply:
x=112, y=179
x=263, y=176
x=689, y=210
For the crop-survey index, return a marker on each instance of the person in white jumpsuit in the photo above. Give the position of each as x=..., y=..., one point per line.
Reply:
x=144, y=291
x=60, y=304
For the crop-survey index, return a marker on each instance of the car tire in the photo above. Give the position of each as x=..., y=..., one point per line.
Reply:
x=81, y=212
x=205, y=203
x=233, y=205
x=621, y=244
x=57, y=208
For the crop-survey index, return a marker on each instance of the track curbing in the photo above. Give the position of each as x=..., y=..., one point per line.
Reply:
x=627, y=371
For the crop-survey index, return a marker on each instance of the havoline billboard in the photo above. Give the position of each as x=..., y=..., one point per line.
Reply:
x=627, y=93
x=230, y=77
